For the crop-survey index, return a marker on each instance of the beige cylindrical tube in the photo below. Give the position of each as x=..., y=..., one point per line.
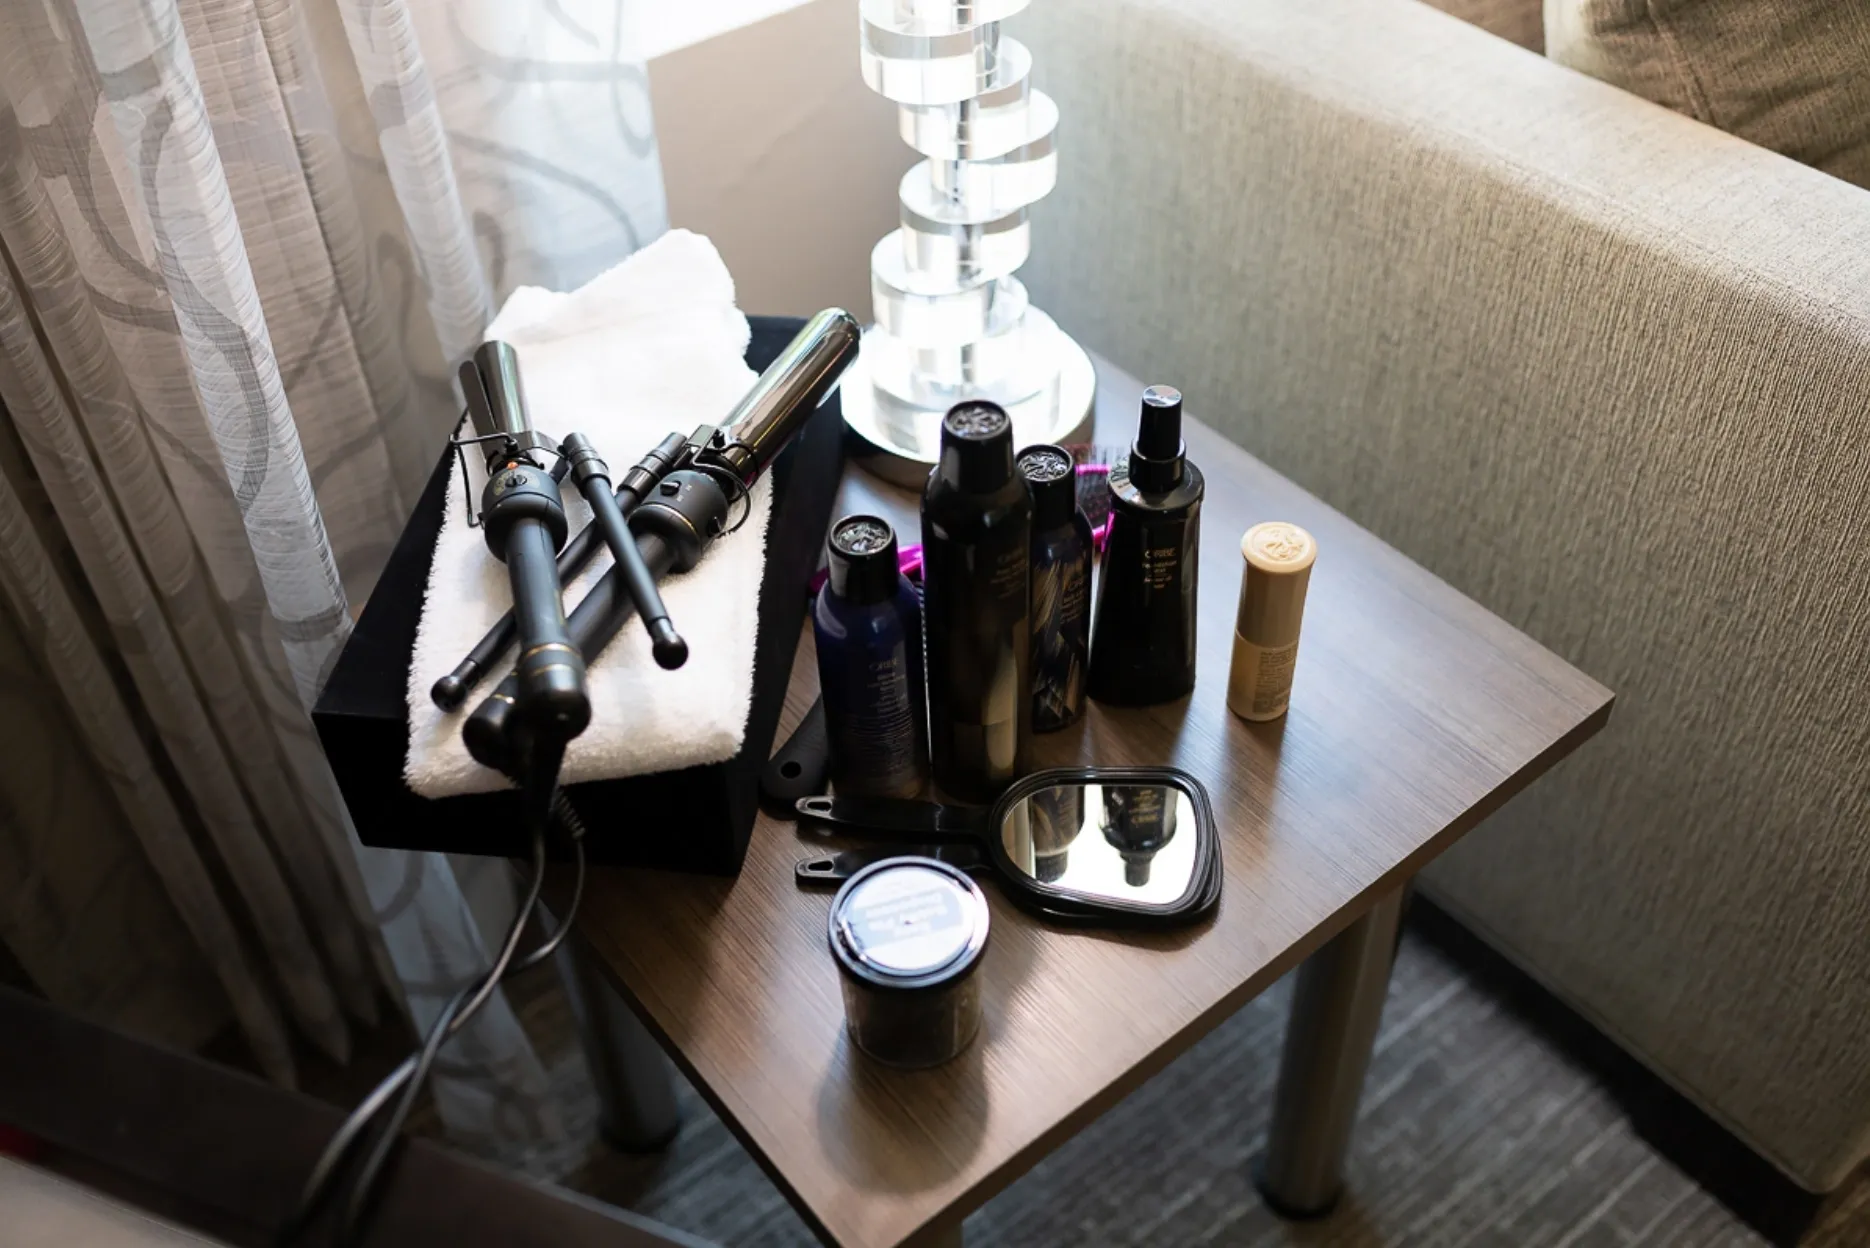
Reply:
x=1266, y=631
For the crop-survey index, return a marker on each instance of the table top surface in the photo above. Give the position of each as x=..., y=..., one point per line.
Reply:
x=1415, y=713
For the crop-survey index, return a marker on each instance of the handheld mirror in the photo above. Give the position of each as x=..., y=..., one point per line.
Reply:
x=1115, y=846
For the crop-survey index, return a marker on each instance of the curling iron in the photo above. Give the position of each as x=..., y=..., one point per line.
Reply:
x=524, y=520
x=689, y=506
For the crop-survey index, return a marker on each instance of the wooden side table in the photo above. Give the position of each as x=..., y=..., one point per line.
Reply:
x=1415, y=714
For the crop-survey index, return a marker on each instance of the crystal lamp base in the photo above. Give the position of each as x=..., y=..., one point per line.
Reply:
x=899, y=439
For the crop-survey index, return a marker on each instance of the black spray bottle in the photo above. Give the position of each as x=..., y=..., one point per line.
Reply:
x=868, y=628
x=976, y=606
x=1061, y=587
x=1143, y=646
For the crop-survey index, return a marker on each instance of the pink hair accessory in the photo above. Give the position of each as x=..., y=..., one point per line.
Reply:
x=909, y=560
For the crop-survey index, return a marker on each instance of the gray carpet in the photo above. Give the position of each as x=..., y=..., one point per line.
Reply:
x=1477, y=1131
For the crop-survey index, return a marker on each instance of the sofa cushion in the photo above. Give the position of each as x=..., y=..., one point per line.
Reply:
x=1789, y=75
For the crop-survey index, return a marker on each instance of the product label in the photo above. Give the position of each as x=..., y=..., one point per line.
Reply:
x=1160, y=564
x=1260, y=684
x=987, y=636
x=978, y=631
x=1136, y=805
x=909, y=920
x=875, y=731
x=1060, y=640
x=1059, y=595
x=1006, y=575
x=1074, y=596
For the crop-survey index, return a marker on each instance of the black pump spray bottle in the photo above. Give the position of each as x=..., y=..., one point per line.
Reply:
x=1143, y=646
x=977, y=606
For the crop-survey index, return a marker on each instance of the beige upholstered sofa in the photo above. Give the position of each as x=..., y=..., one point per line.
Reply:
x=39, y=1209
x=1607, y=371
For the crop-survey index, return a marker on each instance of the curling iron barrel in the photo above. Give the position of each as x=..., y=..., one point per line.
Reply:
x=787, y=394
x=689, y=507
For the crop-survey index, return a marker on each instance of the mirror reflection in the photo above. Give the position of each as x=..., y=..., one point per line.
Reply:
x=1113, y=841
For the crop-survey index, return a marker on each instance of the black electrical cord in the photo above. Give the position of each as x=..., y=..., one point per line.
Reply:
x=409, y=1076
x=363, y=1187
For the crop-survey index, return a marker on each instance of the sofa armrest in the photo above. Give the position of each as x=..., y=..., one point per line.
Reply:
x=1606, y=370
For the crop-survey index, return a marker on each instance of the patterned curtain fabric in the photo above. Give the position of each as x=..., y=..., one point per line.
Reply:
x=243, y=241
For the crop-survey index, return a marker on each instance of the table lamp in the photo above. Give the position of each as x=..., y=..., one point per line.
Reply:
x=952, y=322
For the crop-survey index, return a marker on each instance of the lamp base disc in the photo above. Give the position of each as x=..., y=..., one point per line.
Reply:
x=899, y=442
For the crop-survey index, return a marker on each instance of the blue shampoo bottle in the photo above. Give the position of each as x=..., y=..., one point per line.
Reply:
x=868, y=626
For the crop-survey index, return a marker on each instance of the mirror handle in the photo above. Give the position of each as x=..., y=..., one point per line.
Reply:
x=892, y=818
x=831, y=870
x=823, y=871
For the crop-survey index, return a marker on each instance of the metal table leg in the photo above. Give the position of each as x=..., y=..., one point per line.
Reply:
x=635, y=1082
x=1336, y=1007
x=949, y=1237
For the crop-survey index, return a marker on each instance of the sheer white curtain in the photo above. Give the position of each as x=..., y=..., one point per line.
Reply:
x=243, y=242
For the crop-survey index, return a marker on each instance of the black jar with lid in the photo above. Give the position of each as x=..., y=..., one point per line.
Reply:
x=908, y=935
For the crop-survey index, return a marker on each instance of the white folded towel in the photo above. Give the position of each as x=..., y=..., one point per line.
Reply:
x=652, y=347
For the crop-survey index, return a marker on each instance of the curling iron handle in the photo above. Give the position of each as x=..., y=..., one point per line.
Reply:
x=550, y=673
x=666, y=644
x=604, y=611
x=593, y=477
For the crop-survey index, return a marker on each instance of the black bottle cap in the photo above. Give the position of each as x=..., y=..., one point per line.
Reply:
x=1156, y=456
x=1052, y=477
x=863, y=560
x=976, y=447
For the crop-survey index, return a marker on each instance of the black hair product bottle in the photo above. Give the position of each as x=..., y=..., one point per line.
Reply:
x=1061, y=587
x=1143, y=646
x=977, y=606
